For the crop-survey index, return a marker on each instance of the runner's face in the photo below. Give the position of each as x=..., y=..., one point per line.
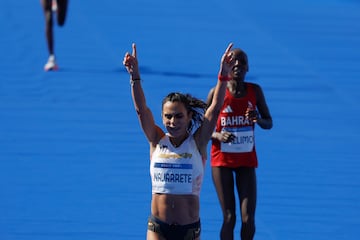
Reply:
x=241, y=64
x=176, y=118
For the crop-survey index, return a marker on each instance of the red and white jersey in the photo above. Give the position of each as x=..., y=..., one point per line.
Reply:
x=241, y=152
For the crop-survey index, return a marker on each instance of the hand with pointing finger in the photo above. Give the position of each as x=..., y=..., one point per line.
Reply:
x=131, y=63
x=227, y=62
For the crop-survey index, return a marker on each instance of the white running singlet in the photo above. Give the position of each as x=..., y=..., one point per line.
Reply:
x=176, y=170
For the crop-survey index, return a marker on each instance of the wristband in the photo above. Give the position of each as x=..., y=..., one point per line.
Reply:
x=224, y=78
x=132, y=81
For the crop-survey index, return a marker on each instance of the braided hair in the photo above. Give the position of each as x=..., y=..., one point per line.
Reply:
x=192, y=104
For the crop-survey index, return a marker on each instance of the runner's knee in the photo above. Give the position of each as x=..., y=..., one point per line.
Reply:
x=230, y=217
x=48, y=17
x=247, y=218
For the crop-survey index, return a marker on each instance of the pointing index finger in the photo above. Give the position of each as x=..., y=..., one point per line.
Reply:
x=134, y=54
x=229, y=48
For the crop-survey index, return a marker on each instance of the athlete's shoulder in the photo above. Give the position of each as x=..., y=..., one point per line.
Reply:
x=252, y=84
x=256, y=87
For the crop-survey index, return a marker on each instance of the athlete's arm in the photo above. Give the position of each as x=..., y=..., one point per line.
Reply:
x=265, y=119
x=152, y=132
x=204, y=133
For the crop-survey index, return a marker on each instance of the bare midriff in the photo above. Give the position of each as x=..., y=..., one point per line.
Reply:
x=175, y=209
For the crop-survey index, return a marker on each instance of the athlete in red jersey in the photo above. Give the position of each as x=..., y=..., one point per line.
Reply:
x=233, y=148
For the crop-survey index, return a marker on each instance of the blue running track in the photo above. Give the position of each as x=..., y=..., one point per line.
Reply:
x=74, y=161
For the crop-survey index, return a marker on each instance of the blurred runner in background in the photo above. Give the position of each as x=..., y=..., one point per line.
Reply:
x=51, y=8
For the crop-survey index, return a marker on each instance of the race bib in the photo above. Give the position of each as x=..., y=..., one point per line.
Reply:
x=243, y=142
x=172, y=178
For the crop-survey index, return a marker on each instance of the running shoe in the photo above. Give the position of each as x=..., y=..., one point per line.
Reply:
x=51, y=64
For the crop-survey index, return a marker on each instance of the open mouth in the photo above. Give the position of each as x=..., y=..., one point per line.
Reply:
x=173, y=130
